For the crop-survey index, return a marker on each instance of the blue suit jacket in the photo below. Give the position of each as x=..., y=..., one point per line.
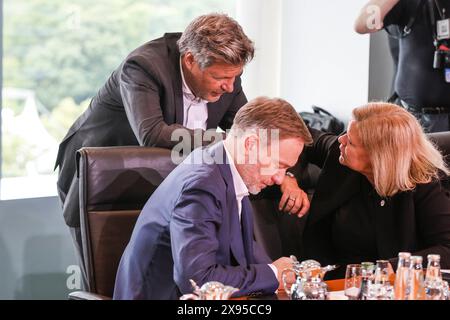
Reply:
x=190, y=229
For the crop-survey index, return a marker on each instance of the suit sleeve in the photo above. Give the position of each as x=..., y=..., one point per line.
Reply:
x=194, y=229
x=141, y=99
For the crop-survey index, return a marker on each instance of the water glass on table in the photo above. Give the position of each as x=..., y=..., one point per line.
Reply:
x=381, y=288
x=353, y=280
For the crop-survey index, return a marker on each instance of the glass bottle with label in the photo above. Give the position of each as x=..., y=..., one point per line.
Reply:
x=434, y=288
x=381, y=288
x=415, y=290
x=401, y=276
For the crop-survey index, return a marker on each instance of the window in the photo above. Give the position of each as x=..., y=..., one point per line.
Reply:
x=56, y=55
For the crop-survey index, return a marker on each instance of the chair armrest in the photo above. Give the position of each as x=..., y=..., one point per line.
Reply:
x=84, y=295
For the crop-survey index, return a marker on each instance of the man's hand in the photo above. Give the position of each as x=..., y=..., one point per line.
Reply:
x=294, y=200
x=282, y=264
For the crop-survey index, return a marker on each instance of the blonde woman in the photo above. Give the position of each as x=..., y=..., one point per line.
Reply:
x=380, y=191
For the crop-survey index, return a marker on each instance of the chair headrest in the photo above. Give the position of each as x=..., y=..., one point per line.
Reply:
x=442, y=141
x=122, y=178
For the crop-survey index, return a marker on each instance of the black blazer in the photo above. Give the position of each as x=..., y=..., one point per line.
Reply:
x=418, y=221
x=140, y=104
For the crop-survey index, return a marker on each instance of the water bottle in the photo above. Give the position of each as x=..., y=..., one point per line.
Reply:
x=380, y=288
x=401, y=276
x=434, y=286
x=415, y=289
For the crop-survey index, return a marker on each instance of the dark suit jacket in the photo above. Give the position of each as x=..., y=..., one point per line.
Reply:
x=417, y=221
x=140, y=104
x=190, y=229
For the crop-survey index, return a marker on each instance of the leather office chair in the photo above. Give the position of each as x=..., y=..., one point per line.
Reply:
x=276, y=231
x=442, y=141
x=115, y=183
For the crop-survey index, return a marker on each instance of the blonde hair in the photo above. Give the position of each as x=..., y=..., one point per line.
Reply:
x=272, y=113
x=216, y=37
x=401, y=154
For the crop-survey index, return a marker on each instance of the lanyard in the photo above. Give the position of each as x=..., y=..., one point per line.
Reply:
x=440, y=11
x=436, y=13
x=432, y=13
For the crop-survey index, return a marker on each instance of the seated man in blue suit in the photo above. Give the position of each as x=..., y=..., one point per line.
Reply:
x=198, y=224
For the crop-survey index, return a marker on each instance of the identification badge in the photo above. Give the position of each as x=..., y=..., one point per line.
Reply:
x=443, y=29
x=447, y=75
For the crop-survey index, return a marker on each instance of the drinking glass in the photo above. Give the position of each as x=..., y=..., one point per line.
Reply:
x=353, y=280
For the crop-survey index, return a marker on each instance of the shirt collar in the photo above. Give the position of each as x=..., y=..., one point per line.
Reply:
x=239, y=186
x=187, y=92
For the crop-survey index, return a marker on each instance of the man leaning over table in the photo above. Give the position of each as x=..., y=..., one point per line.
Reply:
x=198, y=224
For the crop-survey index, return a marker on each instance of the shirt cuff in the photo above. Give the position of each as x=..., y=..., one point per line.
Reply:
x=274, y=269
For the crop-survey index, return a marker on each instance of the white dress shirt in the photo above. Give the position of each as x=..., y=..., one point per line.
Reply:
x=195, y=109
x=241, y=191
x=239, y=186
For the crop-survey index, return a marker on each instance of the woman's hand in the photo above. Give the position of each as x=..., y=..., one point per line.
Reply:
x=294, y=200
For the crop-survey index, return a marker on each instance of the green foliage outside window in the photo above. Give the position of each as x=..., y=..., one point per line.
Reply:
x=63, y=51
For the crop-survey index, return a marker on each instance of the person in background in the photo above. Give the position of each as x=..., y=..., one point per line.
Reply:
x=422, y=82
x=383, y=189
x=189, y=81
x=198, y=224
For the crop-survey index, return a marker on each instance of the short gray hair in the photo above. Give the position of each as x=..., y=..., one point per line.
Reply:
x=216, y=37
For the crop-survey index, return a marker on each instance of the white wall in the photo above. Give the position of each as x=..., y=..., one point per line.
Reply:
x=324, y=62
x=307, y=52
x=261, y=21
